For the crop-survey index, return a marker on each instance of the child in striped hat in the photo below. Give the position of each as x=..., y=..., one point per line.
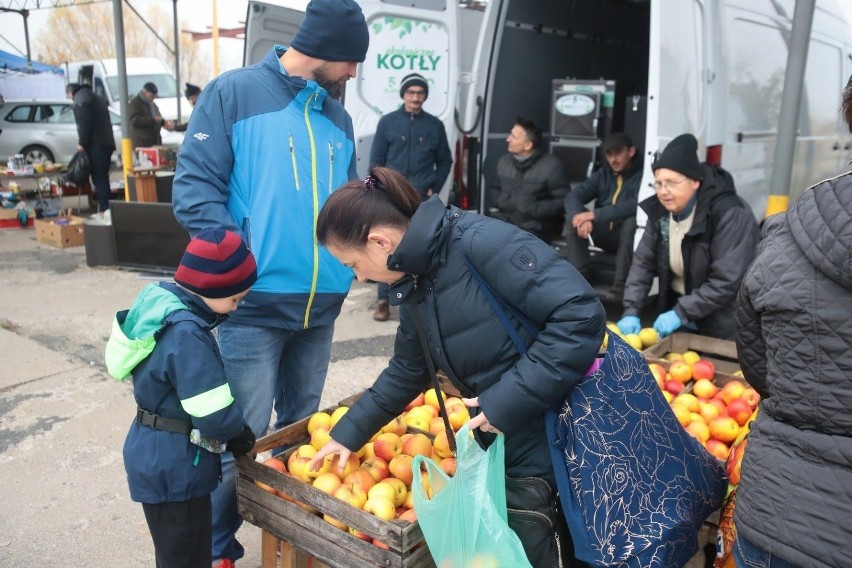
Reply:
x=186, y=415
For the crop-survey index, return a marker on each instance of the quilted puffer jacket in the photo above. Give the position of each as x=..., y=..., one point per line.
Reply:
x=795, y=346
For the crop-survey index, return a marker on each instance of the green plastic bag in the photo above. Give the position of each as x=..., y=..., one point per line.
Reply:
x=464, y=523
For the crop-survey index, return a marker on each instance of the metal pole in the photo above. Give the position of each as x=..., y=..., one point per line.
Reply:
x=791, y=101
x=177, y=60
x=126, y=145
x=26, y=15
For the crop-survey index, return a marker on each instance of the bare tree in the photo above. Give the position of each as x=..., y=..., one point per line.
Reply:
x=87, y=32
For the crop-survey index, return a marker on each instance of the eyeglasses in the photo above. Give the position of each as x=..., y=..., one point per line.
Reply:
x=668, y=185
x=415, y=93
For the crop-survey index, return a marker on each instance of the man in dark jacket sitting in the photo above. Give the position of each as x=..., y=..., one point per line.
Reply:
x=531, y=184
x=611, y=222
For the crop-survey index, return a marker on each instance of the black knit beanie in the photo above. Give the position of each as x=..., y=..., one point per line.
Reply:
x=681, y=155
x=191, y=90
x=413, y=80
x=333, y=30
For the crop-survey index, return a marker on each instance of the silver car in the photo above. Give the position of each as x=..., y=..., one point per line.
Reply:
x=44, y=129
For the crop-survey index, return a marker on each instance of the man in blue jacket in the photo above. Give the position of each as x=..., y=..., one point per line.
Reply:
x=414, y=143
x=265, y=147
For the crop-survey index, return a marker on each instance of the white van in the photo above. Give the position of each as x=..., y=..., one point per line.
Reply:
x=102, y=75
x=714, y=68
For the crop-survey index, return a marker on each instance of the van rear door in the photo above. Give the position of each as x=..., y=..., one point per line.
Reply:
x=266, y=26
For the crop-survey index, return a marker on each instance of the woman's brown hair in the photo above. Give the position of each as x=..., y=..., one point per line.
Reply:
x=384, y=198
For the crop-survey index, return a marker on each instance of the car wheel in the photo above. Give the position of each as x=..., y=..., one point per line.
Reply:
x=35, y=153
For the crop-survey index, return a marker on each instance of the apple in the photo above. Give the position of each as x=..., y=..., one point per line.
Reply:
x=277, y=465
x=704, y=388
x=690, y=401
x=361, y=535
x=739, y=410
x=396, y=426
x=382, y=489
x=436, y=426
x=360, y=477
x=431, y=397
x=735, y=460
x=409, y=515
x=442, y=445
x=751, y=396
x=668, y=396
x=399, y=487
x=674, y=387
x=418, y=421
x=380, y=544
x=298, y=462
x=718, y=403
x=369, y=451
x=400, y=468
x=649, y=337
x=690, y=357
x=682, y=414
x=659, y=373
x=680, y=371
x=417, y=445
x=708, y=411
x=448, y=465
x=453, y=402
x=725, y=429
x=458, y=417
x=699, y=430
x=352, y=494
x=319, y=420
x=335, y=523
x=388, y=445
x=352, y=464
x=418, y=401
x=327, y=483
x=338, y=414
x=671, y=357
x=376, y=467
x=320, y=437
x=634, y=341
x=731, y=391
x=717, y=449
x=703, y=369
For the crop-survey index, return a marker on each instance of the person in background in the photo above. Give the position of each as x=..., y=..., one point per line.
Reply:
x=531, y=184
x=699, y=240
x=185, y=413
x=414, y=143
x=266, y=146
x=794, y=344
x=380, y=228
x=145, y=118
x=95, y=137
x=611, y=222
x=192, y=92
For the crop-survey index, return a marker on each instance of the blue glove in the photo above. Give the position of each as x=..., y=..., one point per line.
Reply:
x=667, y=323
x=629, y=324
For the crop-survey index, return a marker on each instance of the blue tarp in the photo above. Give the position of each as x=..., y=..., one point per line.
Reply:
x=12, y=62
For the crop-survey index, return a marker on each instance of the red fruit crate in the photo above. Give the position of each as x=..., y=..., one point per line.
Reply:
x=294, y=536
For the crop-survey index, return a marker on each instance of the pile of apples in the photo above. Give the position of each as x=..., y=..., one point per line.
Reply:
x=646, y=337
x=712, y=414
x=378, y=477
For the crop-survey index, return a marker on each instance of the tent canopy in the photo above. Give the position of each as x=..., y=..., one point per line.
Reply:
x=12, y=62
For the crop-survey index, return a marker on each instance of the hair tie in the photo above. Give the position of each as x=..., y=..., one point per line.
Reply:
x=370, y=182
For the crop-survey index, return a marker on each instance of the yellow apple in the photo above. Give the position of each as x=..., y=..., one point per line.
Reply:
x=431, y=397
x=399, y=487
x=338, y=414
x=319, y=420
x=352, y=494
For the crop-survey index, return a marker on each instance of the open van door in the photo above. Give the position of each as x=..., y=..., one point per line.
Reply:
x=266, y=26
x=406, y=36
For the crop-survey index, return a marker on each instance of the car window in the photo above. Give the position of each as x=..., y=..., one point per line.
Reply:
x=114, y=118
x=20, y=113
x=57, y=114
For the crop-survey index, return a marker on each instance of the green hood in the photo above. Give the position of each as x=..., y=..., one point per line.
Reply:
x=133, y=331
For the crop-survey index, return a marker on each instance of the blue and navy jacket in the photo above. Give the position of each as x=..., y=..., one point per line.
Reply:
x=164, y=340
x=262, y=153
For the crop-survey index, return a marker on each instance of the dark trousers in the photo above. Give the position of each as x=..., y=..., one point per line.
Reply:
x=182, y=532
x=382, y=291
x=100, y=158
x=618, y=240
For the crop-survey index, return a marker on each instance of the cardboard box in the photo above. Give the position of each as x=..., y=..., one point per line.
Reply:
x=61, y=232
x=9, y=219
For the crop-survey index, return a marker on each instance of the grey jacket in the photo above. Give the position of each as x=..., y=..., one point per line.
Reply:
x=795, y=347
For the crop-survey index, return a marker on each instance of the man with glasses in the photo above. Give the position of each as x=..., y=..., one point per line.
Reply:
x=699, y=240
x=611, y=222
x=414, y=143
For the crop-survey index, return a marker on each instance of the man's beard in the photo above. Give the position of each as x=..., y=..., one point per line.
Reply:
x=334, y=88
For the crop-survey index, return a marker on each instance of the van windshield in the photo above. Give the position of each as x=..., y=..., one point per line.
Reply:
x=165, y=84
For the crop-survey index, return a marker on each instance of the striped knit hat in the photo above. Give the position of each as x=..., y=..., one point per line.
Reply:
x=217, y=264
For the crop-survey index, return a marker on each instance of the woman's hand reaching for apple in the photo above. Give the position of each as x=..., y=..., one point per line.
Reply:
x=329, y=448
x=480, y=420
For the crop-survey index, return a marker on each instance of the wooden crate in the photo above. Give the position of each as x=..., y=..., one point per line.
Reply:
x=288, y=526
x=722, y=353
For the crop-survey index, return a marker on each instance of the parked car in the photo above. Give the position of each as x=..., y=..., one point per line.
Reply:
x=44, y=129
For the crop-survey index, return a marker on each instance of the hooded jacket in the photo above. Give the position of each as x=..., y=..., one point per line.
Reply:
x=165, y=341
x=262, y=153
x=716, y=253
x=465, y=336
x=601, y=187
x=414, y=145
x=794, y=342
x=530, y=192
x=91, y=114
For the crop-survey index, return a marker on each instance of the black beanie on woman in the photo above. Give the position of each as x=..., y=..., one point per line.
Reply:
x=681, y=155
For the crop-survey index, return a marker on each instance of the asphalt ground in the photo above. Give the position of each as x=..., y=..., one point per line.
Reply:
x=63, y=493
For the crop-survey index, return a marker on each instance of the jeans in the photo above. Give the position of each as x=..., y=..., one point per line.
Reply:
x=259, y=362
x=100, y=158
x=748, y=555
x=618, y=240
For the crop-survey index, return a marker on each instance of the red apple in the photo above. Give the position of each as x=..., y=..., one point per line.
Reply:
x=704, y=388
x=418, y=444
x=739, y=410
x=751, y=397
x=659, y=373
x=360, y=477
x=388, y=445
x=400, y=468
x=717, y=449
x=724, y=428
x=703, y=369
x=377, y=467
x=674, y=387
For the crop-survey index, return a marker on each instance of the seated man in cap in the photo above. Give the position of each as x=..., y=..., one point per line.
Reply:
x=414, y=143
x=266, y=147
x=145, y=118
x=192, y=92
x=611, y=222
